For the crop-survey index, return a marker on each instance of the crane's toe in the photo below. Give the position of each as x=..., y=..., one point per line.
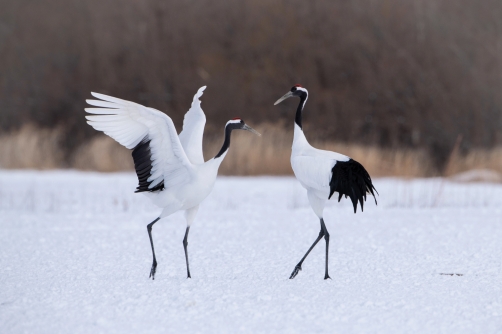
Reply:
x=295, y=271
x=327, y=276
x=153, y=270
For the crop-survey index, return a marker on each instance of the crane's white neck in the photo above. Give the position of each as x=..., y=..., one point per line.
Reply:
x=213, y=165
x=299, y=139
x=221, y=156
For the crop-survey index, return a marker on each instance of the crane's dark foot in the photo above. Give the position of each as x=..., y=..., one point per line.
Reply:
x=327, y=276
x=153, y=270
x=188, y=276
x=295, y=271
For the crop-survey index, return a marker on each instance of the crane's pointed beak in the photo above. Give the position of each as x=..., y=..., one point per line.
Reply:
x=250, y=129
x=288, y=94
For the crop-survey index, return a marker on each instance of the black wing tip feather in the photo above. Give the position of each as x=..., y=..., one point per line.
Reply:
x=143, y=165
x=350, y=179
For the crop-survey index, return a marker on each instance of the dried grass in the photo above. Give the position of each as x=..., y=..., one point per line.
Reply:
x=32, y=148
x=269, y=154
x=102, y=154
x=475, y=159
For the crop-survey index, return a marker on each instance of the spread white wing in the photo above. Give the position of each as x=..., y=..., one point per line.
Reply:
x=193, y=130
x=159, y=158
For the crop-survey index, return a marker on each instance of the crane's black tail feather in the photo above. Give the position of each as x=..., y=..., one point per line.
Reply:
x=350, y=179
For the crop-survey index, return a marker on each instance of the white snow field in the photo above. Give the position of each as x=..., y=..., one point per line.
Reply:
x=75, y=258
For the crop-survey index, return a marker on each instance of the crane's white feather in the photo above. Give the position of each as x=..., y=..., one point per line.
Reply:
x=313, y=172
x=193, y=130
x=130, y=123
x=312, y=167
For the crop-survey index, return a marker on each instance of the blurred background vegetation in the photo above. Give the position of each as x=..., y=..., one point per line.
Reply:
x=410, y=87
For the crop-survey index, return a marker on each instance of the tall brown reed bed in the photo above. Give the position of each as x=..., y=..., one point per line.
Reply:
x=31, y=147
x=387, y=72
x=35, y=148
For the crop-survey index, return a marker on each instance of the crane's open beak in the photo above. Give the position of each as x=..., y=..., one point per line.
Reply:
x=247, y=127
x=288, y=94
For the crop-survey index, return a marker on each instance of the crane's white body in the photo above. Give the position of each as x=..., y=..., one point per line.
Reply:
x=312, y=168
x=188, y=195
x=177, y=161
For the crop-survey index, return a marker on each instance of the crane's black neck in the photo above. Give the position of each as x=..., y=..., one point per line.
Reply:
x=226, y=143
x=298, y=117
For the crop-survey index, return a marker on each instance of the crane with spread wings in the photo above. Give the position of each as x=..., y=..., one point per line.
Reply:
x=171, y=169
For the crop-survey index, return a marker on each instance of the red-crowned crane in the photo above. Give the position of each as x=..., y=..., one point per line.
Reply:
x=170, y=168
x=323, y=173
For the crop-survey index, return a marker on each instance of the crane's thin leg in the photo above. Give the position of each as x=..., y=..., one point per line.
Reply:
x=154, y=264
x=185, y=244
x=326, y=237
x=299, y=265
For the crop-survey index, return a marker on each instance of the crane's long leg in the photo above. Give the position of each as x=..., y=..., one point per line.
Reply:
x=185, y=244
x=154, y=264
x=299, y=265
x=189, y=216
x=326, y=237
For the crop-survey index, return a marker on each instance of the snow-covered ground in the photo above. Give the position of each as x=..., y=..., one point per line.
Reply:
x=75, y=258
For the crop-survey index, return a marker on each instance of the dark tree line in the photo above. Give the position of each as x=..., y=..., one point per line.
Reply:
x=390, y=73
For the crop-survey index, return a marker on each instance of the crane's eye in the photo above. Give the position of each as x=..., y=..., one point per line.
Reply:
x=293, y=89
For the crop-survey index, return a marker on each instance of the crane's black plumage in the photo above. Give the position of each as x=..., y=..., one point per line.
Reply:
x=142, y=156
x=349, y=178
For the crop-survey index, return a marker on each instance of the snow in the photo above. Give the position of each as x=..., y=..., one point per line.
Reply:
x=75, y=258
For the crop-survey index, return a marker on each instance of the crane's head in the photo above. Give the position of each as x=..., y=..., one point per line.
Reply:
x=238, y=124
x=296, y=90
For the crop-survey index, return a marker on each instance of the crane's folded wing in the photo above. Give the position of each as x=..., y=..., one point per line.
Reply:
x=314, y=172
x=348, y=178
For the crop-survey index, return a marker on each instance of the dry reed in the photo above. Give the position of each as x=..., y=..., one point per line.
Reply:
x=102, y=154
x=35, y=148
x=386, y=72
x=490, y=159
x=31, y=147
